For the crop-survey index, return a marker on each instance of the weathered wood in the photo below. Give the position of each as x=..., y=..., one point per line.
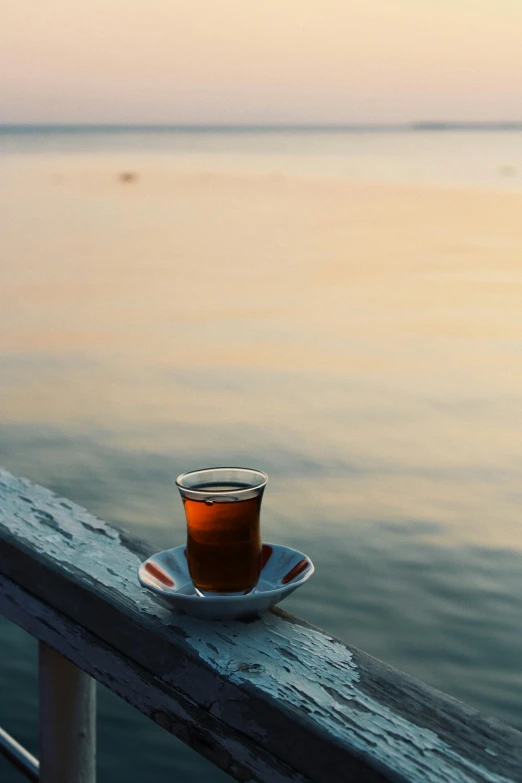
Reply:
x=232, y=752
x=269, y=700
x=67, y=707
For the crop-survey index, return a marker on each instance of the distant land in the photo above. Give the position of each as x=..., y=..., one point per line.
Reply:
x=268, y=127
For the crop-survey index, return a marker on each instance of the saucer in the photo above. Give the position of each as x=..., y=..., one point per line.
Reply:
x=283, y=571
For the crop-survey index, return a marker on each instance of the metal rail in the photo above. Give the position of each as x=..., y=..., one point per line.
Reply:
x=19, y=757
x=67, y=714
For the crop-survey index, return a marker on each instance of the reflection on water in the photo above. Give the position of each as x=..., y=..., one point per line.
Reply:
x=360, y=343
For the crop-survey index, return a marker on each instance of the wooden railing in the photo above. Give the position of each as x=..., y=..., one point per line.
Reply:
x=270, y=700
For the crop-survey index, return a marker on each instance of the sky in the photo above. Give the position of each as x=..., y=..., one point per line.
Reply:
x=273, y=61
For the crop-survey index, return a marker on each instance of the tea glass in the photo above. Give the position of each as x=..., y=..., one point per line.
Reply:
x=222, y=508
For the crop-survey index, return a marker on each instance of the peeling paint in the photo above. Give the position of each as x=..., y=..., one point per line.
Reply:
x=303, y=670
x=320, y=678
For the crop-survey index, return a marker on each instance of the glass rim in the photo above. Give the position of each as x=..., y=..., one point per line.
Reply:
x=236, y=491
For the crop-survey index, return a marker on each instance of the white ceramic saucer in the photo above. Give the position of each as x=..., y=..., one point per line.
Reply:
x=283, y=571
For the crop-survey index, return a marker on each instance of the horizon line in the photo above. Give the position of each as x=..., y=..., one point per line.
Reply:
x=272, y=126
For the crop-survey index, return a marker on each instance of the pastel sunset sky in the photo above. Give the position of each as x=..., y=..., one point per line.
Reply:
x=273, y=61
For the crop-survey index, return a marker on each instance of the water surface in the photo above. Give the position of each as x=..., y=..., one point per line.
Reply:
x=339, y=310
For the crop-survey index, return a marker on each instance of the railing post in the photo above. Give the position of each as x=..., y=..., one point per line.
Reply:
x=67, y=720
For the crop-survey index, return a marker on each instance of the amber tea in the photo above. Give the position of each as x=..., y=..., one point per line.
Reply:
x=223, y=535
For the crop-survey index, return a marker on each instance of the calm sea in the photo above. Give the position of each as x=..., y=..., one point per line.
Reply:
x=340, y=309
